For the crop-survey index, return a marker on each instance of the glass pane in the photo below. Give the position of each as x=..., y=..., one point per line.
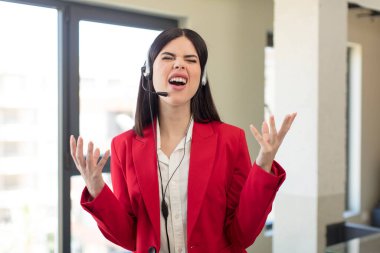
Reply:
x=110, y=63
x=86, y=237
x=28, y=129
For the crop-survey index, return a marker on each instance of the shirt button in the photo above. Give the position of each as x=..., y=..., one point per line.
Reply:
x=176, y=216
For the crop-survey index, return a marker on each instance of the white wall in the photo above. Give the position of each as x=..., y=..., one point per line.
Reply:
x=310, y=48
x=235, y=32
x=374, y=4
x=366, y=32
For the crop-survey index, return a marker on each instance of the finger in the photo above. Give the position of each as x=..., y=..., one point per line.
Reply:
x=257, y=136
x=273, y=130
x=96, y=155
x=79, y=153
x=265, y=131
x=291, y=119
x=90, y=155
x=286, y=125
x=104, y=159
x=294, y=115
x=73, y=147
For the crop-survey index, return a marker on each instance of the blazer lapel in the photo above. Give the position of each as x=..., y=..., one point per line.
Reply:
x=145, y=159
x=202, y=155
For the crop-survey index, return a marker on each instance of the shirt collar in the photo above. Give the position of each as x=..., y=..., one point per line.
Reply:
x=188, y=136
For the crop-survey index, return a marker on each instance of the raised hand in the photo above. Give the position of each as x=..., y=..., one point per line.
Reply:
x=89, y=167
x=270, y=140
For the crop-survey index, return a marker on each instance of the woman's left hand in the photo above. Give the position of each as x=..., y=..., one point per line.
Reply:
x=269, y=140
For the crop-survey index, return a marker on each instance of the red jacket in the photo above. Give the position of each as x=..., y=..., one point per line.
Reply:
x=228, y=198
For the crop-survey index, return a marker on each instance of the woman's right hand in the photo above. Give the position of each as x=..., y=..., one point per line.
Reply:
x=89, y=167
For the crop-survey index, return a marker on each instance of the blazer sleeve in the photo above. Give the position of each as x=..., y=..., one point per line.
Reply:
x=112, y=210
x=250, y=196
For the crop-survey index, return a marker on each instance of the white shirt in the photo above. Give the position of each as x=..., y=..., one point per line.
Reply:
x=176, y=193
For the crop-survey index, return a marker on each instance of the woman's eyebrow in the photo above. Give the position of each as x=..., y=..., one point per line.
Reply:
x=186, y=56
x=167, y=53
x=190, y=56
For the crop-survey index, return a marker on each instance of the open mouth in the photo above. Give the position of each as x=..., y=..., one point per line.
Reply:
x=179, y=81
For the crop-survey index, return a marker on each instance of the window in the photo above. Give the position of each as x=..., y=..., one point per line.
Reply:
x=28, y=129
x=63, y=68
x=353, y=129
x=107, y=49
x=110, y=58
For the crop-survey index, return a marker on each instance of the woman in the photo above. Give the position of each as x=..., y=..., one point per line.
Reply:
x=182, y=180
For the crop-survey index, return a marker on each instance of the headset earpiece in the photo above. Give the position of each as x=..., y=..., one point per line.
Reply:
x=204, y=77
x=146, y=69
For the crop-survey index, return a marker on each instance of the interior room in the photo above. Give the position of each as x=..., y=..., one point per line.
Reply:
x=73, y=68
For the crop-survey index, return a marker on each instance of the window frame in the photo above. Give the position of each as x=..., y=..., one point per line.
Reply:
x=353, y=130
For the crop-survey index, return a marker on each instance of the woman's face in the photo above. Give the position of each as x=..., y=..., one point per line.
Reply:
x=177, y=70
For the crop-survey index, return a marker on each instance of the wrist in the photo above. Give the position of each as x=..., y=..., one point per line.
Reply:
x=266, y=167
x=95, y=188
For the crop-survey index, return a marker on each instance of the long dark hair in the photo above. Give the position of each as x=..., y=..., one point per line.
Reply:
x=202, y=105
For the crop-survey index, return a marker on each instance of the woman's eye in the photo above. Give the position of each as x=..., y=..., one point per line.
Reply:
x=192, y=61
x=167, y=58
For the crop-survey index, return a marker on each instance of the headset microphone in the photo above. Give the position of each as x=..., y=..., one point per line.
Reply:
x=146, y=73
x=159, y=93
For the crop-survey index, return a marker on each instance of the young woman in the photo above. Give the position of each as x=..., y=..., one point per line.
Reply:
x=182, y=179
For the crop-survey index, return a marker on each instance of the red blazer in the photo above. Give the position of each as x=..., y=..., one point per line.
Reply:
x=228, y=197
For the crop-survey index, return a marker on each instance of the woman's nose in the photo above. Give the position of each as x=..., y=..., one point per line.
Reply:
x=178, y=65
